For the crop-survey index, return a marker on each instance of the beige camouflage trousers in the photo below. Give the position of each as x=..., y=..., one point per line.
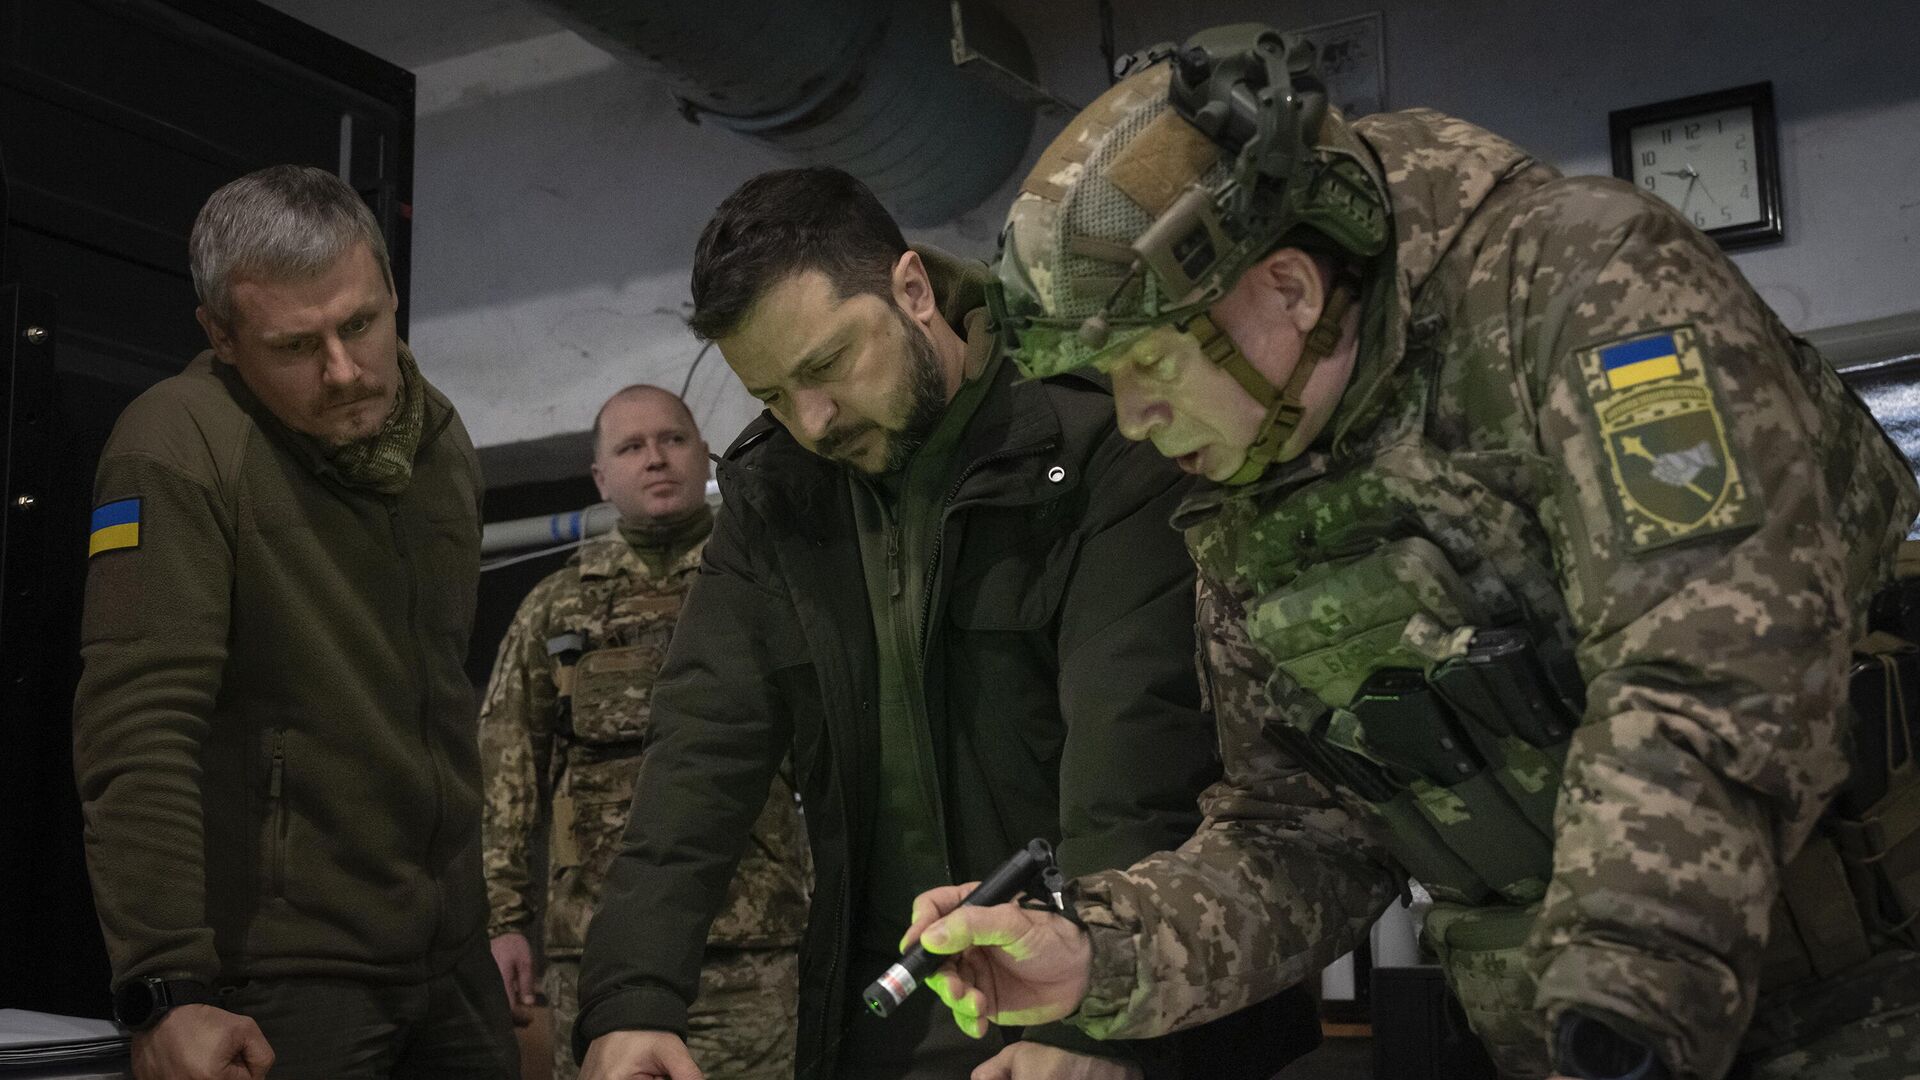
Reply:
x=741, y=1027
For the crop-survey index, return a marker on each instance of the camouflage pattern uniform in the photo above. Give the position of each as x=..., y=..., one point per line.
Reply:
x=576, y=764
x=1691, y=553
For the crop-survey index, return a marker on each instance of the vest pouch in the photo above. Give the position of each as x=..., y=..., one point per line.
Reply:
x=1424, y=856
x=1529, y=776
x=1881, y=853
x=1483, y=952
x=1515, y=714
x=1875, y=819
x=613, y=693
x=1816, y=929
x=1398, y=720
x=1477, y=821
x=1336, y=623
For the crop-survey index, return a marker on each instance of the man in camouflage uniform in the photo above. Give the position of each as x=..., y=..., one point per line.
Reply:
x=561, y=733
x=1533, y=576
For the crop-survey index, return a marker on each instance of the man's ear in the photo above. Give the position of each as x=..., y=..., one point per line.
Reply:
x=913, y=290
x=218, y=337
x=1296, y=277
x=599, y=484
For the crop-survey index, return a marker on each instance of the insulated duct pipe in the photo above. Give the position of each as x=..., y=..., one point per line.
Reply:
x=869, y=86
x=498, y=537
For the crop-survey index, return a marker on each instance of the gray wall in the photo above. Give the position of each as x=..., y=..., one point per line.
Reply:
x=558, y=193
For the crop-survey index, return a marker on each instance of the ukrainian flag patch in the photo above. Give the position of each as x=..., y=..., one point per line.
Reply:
x=1639, y=360
x=116, y=525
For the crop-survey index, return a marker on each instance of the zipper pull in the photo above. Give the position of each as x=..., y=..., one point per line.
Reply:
x=273, y=778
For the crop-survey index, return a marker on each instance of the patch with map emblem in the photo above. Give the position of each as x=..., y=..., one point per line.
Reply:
x=1675, y=475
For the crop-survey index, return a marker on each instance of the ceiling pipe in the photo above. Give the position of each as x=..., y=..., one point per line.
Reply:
x=869, y=86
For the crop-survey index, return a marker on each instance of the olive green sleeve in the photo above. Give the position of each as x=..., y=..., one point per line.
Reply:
x=516, y=746
x=154, y=642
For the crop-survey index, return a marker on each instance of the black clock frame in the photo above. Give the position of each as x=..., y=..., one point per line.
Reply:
x=1766, y=152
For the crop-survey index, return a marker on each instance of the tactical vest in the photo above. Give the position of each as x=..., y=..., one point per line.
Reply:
x=1412, y=599
x=603, y=667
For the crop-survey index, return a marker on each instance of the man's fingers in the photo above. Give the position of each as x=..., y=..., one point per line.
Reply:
x=997, y=1067
x=678, y=1061
x=967, y=927
x=932, y=904
x=941, y=983
x=255, y=1050
x=967, y=1002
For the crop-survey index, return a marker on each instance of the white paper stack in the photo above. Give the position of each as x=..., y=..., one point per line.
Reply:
x=35, y=1044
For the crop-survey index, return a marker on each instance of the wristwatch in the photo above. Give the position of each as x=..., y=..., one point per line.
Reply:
x=140, y=1003
x=1588, y=1048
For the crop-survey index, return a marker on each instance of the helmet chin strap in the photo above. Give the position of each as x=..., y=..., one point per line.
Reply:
x=1283, y=403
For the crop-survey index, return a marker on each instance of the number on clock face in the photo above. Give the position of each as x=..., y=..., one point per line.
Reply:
x=1703, y=165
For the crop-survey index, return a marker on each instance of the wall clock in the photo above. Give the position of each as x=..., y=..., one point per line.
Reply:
x=1713, y=157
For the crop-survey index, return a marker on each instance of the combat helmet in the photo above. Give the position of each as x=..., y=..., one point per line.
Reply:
x=1153, y=201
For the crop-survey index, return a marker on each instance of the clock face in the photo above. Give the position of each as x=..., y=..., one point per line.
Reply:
x=1706, y=165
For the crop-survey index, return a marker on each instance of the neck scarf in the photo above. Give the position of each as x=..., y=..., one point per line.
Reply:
x=384, y=461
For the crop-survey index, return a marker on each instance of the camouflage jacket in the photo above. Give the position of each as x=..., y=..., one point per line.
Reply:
x=1576, y=414
x=575, y=765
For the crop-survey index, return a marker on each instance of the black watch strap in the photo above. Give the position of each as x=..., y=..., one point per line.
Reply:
x=141, y=1003
x=1588, y=1048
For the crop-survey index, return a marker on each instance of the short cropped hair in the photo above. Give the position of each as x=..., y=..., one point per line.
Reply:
x=282, y=223
x=643, y=390
x=786, y=222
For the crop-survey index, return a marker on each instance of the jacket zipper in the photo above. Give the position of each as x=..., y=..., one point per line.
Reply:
x=426, y=710
x=836, y=966
x=276, y=780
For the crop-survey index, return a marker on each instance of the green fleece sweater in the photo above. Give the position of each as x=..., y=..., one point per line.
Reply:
x=273, y=735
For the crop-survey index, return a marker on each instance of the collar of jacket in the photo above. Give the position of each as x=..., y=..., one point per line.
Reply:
x=1437, y=172
x=610, y=555
x=960, y=284
x=306, y=448
x=769, y=470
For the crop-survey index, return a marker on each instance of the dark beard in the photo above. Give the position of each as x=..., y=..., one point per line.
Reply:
x=926, y=394
x=926, y=397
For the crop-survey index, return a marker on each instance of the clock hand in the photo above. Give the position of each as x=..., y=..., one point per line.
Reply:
x=1688, y=197
x=1676, y=173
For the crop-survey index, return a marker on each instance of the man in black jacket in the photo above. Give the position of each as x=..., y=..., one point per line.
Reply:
x=954, y=593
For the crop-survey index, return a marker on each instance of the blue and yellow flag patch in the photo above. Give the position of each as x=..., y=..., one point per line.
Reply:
x=116, y=525
x=1643, y=359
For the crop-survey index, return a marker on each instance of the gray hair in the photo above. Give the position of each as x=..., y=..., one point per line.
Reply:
x=283, y=223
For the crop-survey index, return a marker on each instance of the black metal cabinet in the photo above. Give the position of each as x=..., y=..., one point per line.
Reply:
x=117, y=119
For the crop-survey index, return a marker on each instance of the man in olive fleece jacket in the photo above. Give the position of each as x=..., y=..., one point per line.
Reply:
x=274, y=737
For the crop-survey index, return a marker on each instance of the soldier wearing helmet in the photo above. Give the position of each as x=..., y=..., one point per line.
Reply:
x=1536, y=557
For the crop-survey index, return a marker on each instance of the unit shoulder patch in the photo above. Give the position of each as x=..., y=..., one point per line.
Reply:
x=1673, y=473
